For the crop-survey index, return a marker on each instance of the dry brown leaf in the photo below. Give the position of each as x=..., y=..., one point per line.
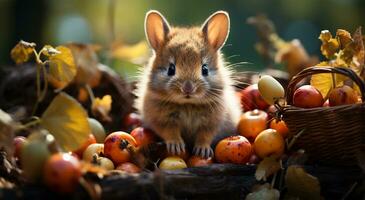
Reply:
x=294, y=56
x=22, y=51
x=344, y=37
x=358, y=58
x=267, y=167
x=101, y=107
x=67, y=121
x=302, y=185
x=329, y=45
x=86, y=61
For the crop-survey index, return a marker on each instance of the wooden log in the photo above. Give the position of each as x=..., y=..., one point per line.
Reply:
x=216, y=181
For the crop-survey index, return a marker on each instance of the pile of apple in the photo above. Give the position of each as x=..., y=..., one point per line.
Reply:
x=307, y=96
x=258, y=136
x=42, y=160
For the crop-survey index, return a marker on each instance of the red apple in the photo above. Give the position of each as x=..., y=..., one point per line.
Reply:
x=280, y=127
x=90, y=140
x=62, y=172
x=342, y=95
x=132, y=120
x=18, y=143
x=117, y=147
x=234, y=149
x=254, y=159
x=271, y=111
x=197, y=161
x=251, y=99
x=269, y=142
x=129, y=167
x=143, y=136
x=252, y=123
x=307, y=96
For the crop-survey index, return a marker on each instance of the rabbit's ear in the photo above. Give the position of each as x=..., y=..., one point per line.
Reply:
x=216, y=29
x=156, y=28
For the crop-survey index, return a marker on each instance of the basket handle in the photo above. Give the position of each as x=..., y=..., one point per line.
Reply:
x=317, y=70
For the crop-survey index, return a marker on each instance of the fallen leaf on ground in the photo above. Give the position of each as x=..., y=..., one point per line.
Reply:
x=67, y=121
x=302, y=185
x=267, y=167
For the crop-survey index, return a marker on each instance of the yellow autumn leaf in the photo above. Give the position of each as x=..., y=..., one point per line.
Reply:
x=62, y=66
x=324, y=82
x=101, y=107
x=67, y=121
x=87, y=62
x=131, y=52
x=344, y=37
x=22, y=51
x=329, y=45
x=267, y=167
x=302, y=185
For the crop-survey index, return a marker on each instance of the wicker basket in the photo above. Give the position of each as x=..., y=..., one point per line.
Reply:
x=330, y=135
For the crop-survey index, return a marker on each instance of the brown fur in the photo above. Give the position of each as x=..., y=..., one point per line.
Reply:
x=213, y=107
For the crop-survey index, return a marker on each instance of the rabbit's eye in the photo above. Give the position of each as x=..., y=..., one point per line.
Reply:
x=171, y=70
x=205, y=70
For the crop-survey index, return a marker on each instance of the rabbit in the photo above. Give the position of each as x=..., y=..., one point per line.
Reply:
x=185, y=93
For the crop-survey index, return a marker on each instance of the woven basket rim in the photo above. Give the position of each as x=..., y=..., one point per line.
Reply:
x=324, y=69
x=340, y=107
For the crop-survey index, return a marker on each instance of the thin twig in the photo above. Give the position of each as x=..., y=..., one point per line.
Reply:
x=90, y=92
x=295, y=137
x=349, y=191
x=36, y=121
x=45, y=88
x=273, y=180
x=38, y=85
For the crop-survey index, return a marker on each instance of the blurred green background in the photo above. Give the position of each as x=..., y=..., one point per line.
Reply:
x=58, y=21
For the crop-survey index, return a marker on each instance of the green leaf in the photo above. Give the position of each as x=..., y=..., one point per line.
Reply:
x=302, y=185
x=67, y=121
